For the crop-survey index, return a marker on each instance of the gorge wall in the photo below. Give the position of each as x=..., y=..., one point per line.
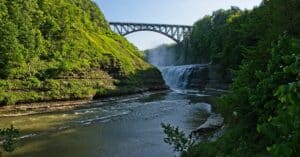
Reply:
x=64, y=49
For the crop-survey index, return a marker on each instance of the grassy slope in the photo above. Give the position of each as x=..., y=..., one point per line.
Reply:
x=64, y=49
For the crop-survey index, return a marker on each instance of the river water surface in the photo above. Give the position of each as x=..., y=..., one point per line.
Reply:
x=124, y=127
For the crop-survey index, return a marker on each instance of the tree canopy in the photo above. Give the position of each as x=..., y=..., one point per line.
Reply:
x=262, y=48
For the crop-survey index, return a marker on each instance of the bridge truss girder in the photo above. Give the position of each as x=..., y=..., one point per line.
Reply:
x=175, y=32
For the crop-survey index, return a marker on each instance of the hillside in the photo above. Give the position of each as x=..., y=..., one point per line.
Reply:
x=261, y=48
x=64, y=49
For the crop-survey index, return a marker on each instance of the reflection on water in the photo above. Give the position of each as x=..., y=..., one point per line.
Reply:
x=125, y=127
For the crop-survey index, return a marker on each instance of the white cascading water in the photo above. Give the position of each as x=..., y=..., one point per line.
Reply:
x=182, y=77
x=177, y=77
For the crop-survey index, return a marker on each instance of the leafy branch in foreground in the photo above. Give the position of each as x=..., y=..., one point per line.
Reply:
x=8, y=136
x=176, y=138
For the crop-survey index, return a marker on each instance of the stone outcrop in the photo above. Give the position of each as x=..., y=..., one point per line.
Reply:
x=213, y=122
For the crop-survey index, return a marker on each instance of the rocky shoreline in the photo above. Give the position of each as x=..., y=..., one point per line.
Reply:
x=68, y=105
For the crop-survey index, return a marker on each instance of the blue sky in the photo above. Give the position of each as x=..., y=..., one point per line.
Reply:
x=163, y=11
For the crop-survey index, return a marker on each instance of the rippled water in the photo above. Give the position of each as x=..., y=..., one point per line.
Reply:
x=120, y=128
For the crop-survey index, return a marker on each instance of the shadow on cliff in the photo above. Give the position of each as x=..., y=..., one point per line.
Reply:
x=141, y=81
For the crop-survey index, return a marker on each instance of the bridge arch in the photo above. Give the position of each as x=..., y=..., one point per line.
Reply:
x=146, y=30
x=174, y=32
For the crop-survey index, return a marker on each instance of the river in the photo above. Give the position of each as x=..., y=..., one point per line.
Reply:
x=121, y=127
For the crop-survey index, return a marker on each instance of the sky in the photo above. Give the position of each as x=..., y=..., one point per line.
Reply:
x=184, y=12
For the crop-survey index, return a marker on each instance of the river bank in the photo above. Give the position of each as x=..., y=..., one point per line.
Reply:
x=68, y=105
x=198, y=77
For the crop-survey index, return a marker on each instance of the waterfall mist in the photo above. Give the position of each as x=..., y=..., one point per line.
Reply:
x=163, y=55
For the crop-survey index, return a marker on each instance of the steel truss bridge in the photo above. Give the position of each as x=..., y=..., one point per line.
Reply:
x=175, y=32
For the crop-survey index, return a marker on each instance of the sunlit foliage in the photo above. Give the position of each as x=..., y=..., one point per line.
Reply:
x=61, y=49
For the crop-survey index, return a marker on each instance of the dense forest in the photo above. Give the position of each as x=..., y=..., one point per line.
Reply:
x=64, y=49
x=261, y=47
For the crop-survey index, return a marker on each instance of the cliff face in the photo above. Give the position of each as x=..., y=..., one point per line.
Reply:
x=64, y=49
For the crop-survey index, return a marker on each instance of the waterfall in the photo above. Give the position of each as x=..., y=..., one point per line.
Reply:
x=185, y=76
x=193, y=76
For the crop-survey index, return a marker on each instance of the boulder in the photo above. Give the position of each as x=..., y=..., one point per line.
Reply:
x=213, y=122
